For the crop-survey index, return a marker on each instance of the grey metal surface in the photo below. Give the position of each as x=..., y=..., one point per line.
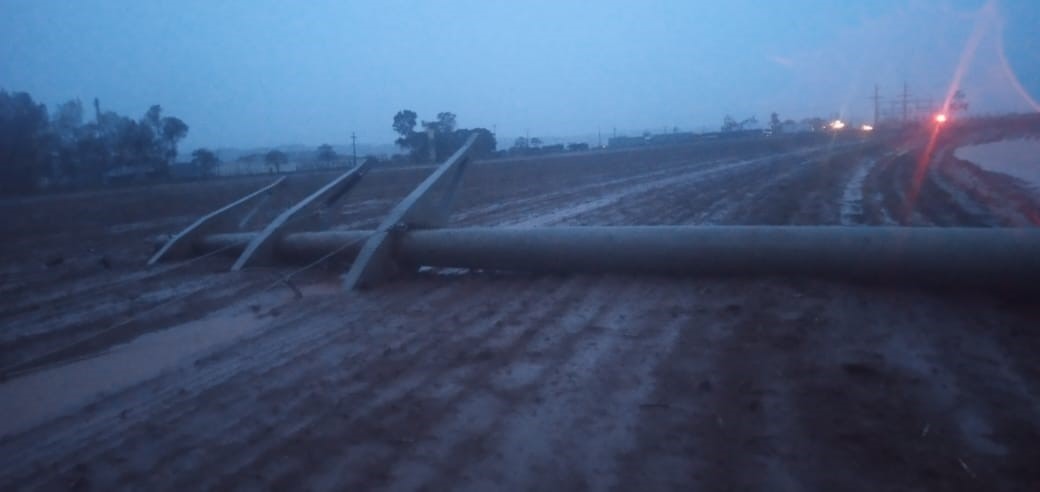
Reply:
x=181, y=243
x=428, y=205
x=261, y=248
x=915, y=255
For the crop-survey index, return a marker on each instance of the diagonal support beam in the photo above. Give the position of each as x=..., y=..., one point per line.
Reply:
x=181, y=243
x=427, y=206
x=261, y=248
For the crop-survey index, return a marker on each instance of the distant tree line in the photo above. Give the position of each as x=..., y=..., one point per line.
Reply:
x=59, y=149
x=275, y=159
x=205, y=161
x=776, y=125
x=439, y=138
x=524, y=146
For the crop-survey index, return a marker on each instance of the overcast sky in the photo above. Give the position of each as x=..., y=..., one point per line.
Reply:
x=264, y=72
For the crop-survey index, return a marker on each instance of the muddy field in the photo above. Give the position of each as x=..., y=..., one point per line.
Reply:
x=186, y=376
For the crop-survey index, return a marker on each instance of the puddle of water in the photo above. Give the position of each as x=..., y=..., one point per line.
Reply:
x=1017, y=158
x=42, y=396
x=444, y=271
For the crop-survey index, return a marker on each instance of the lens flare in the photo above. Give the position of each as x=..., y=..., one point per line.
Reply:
x=984, y=19
x=1012, y=78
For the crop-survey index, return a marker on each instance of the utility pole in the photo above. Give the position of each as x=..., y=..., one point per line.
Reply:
x=353, y=144
x=599, y=138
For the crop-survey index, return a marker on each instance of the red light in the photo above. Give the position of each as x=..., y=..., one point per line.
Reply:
x=940, y=118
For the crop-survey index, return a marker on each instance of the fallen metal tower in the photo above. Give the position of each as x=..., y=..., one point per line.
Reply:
x=413, y=235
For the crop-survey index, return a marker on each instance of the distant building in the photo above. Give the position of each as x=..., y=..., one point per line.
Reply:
x=795, y=127
x=551, y=149
x=626, y=142
x=672, y=138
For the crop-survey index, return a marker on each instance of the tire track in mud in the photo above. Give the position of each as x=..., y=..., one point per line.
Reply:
x=186, y=409
x=376, y=397
x=891, y=197
x=381, y=402
x=678, y=198
x=202, y=378
x=991, y=405
x=274, y=349
x=106, y=322
x=757, y=419
x=739, y=195
x=638, y=201
x=583, y=367
x=533, y=211
x=748, y=422
x=139, y=411
x=288, y=375
x=553, y=208
x=852, y=199
x=928, y=420
x=529, y=201
x=729, y=403
x=510, y=381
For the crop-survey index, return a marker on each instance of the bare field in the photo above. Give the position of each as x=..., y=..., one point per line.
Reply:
x=187, y=376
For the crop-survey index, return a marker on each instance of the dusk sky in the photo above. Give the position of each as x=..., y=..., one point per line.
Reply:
x=264, y=72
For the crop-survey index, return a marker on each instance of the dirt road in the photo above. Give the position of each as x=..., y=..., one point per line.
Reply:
x=509, y=381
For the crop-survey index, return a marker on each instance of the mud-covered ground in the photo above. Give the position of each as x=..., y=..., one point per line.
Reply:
x=186, y=376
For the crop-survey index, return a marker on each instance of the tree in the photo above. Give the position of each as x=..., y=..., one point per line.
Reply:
x=205, y=160
x=729, y=124
x=275, y=159
x=404, y=125
x=66, y=131
x=61, y=149
x=173, y=130
x=775, y=124
x=536, y=142
x=162, y=135
x=68, y=117
x=416, y=142
x=521, y=143
x=24, y=145
x=326, y=154
x=445, y=122
x=153, y=118
x=483, y=146
x=486, y=143
x=447, y=137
